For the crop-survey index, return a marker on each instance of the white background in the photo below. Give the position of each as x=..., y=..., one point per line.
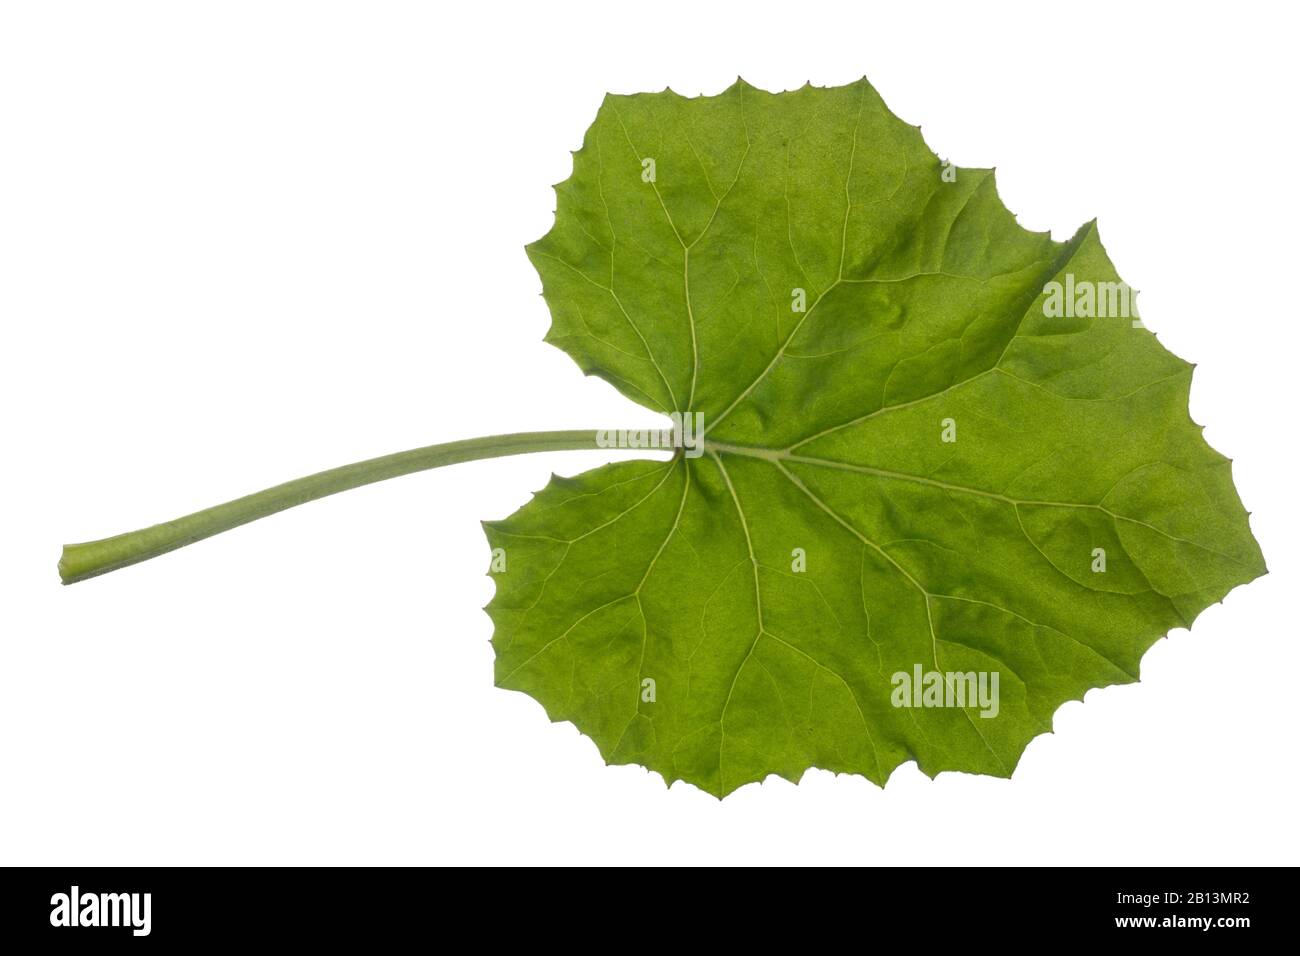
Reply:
x=241, y=242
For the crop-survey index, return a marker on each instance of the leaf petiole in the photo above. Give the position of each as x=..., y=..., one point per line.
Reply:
x=91, y=558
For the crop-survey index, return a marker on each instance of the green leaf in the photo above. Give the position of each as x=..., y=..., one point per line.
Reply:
x=926, y=318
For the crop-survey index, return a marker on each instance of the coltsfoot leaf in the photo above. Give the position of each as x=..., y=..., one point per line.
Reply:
x=936, y=444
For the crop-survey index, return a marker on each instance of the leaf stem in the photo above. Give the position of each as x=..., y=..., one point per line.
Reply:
x=91, y=558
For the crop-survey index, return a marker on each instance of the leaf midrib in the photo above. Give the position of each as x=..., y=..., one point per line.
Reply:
x=776, y=457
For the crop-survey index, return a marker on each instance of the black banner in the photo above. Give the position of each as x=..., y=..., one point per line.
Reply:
x=138, y=907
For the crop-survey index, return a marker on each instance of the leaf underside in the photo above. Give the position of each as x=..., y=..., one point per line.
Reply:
x=925, y=318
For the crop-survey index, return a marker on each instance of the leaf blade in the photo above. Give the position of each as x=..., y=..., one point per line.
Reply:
x=925, y=303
